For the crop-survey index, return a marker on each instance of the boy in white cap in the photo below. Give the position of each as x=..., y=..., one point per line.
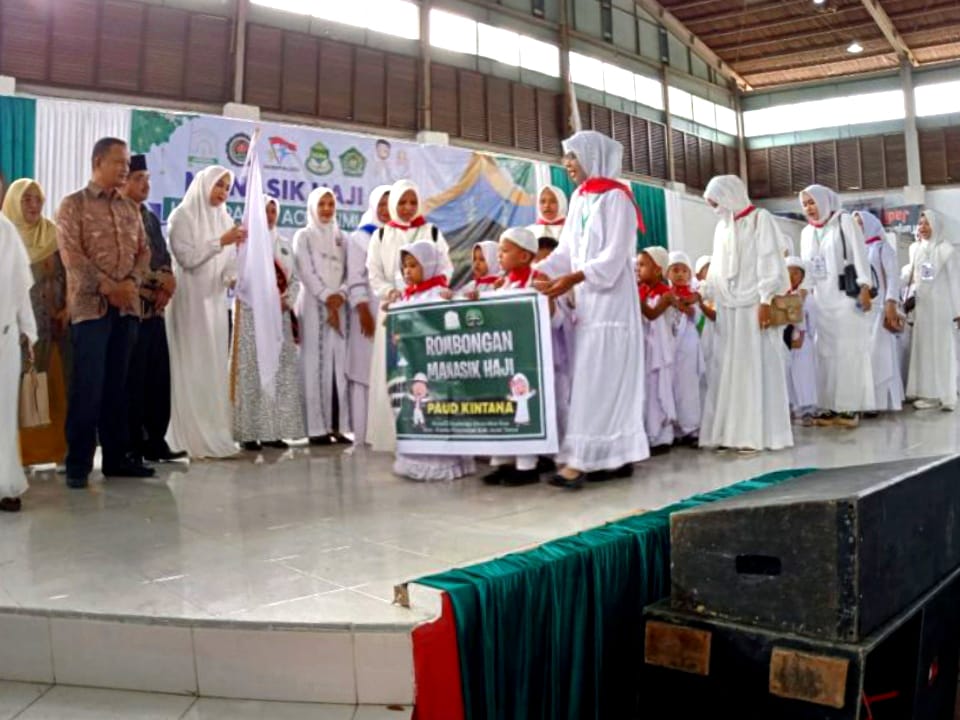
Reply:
x=688, y=365
x=802, y=360
x=518, y=248
x=656, y=298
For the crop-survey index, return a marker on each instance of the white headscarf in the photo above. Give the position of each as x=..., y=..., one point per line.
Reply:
x=275, y=230
x=370, y=216
x=397, y=191
x=702, y=262
x=730, y=195
x=598, y=155
x=872, y=227
x=426, y=253
x=489, y=250
x=313, y=218
x=195, y=211
x=828, y=202
x=935, y=249
x=561, y=203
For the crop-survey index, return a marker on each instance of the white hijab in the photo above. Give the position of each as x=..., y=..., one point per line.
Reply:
x=828, y=202
x=17, y=276
x=426, y=253
x=397, y=191
x=935, y=249
x=202, y=220
x=489, y=250
x=561, y=203
x=313, y=218
x=730, y=195
x=370, y=217
x=598, y=155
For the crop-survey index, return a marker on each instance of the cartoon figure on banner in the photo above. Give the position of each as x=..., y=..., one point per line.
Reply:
x=520, y=393
x=382, y=175
x=419, y=395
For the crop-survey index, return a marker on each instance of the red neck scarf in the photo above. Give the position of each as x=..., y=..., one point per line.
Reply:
x=600, y=185
x=486, y=280
x=521, y=276
x=435, y=281
x=418, y=221
x=743, y=213
x=821, y=224
x=874, y=239
x=652, y=292
x=682, y=291
x=551, y=223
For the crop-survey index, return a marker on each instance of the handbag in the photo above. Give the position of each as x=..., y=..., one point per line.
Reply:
x=34, y=399
x=848, y=278
x=786, y=310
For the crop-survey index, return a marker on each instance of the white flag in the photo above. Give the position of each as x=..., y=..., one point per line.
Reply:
x=257, y=279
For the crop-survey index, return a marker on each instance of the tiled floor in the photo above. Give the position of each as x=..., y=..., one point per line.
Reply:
x=321, y=536
x=26, y=701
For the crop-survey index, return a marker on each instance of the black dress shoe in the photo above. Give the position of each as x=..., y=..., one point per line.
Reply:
x=321, y=440
x=76, y=482
x=10, y=505
x=690, y=441
x=276, y=445
x=659, y=450
x=499, y=474
x=252, y=446
x=342, y=439
x=576, y=483
x=164, y=455
x=624, y=471
x=522, y=477
x=126, y=469
x=546, y=465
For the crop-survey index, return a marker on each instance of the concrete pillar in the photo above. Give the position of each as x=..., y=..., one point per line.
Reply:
x=8, y=85
x=240, y=111
x=240, y=50
x=426, y=95
x=914, y=192
x=741, y=140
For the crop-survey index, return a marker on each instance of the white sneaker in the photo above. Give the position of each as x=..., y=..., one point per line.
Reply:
x=925, y=404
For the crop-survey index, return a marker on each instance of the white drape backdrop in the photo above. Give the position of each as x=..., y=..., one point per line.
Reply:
x=66, y=133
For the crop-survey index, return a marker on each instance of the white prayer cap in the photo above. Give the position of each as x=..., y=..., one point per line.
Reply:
x=678, y=257
x=794, y=262
x=420, y=377
x=659, y=255
x=426, y=253
x=522, y=238
x=702, y=262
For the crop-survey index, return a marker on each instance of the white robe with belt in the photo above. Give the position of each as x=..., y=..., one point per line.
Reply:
x=383, y=267
x=844, y=368
x=321, y=266
x=605, y=428
x=201, y=420
x=16, y=319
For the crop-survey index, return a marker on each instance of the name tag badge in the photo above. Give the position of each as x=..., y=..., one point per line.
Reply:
x=819, y=267
x=926, y=272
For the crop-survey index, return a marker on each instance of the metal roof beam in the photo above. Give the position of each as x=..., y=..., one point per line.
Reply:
x=889, y=30
x=783, y=22
x=778, y=5
x=688, y=38
x=792, y=36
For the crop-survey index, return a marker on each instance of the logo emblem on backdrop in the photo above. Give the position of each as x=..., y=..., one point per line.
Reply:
x=451, y=321
x=237, y=148
x=473, y=318
x=353, y=163
x=319, y=161
x=283, y=154
x=203, y=148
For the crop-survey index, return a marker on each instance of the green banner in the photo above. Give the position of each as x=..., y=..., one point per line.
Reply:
x=473, y=377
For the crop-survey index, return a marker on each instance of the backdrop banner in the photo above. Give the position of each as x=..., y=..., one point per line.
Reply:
x=473, y=377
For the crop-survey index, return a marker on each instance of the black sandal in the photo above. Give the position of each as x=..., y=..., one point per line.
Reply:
x=10, y=505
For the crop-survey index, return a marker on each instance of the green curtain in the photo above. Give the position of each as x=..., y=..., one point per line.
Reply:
x=650, y=198
x=18, y=129
x=556, y=633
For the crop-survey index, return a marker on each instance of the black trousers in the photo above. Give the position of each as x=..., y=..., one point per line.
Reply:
x=98, y=391
x=148, y=389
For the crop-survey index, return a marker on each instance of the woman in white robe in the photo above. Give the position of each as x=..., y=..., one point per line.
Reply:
x=885, y=353
x=406, y=226
x=551, y=213
x=16, y=322
x=746, y=406
x=845, y=386
x=320, y=250
x=363, y=310
x=202, y=236
x=936, y=275
x=258, y=415
x=605, y=429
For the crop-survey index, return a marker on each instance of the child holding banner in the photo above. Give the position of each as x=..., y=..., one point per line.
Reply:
x=660, y=411
x=486, y=270
x=423, y=272
x=518, y=248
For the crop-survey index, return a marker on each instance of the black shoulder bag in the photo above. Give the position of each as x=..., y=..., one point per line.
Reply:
x=848, y=278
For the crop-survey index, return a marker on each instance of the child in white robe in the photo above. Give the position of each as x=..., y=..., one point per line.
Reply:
x=688, y=364
x=660, y=411
x=363, y=310
x=423, y=271
x=932, y=378
x=320, y=251
x=518, y=248
x=886, y=318
x=551, y=213
x=707, y=326
x=486, y=270
x=802, y=359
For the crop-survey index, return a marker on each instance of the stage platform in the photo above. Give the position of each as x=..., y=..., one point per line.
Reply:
x=271, y=577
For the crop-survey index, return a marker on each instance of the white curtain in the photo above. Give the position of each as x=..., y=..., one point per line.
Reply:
x=66, y=133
